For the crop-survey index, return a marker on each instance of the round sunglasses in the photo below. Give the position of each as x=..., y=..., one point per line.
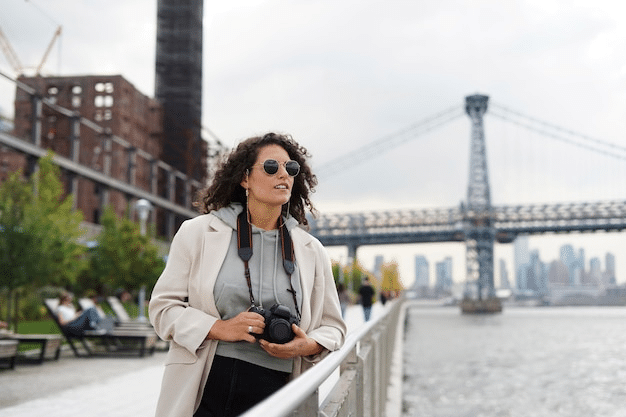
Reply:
x=270, y=166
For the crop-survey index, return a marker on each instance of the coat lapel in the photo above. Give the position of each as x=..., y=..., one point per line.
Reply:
x=215, y=247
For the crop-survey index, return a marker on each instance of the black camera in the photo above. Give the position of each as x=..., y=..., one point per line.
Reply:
x=278, y=321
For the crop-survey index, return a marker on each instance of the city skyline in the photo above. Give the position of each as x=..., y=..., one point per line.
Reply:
x=425, y=267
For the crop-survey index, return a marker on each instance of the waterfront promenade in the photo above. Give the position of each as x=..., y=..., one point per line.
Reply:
x=94, y=387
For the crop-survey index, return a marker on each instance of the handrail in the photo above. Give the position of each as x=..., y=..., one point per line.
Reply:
x=300, y=396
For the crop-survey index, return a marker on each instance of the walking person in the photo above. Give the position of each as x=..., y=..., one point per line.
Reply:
x=366, y=294
x=243, y=264
x=344, y=298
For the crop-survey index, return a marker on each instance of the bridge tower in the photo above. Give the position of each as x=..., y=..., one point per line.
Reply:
x=477, y=213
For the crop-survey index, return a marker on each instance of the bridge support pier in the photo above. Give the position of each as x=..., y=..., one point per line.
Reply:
x=352, y=253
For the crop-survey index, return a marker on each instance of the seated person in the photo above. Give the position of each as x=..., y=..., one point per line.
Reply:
x=77, y=322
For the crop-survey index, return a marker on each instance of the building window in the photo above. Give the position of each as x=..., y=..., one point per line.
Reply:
x=103, y=101
x=104, y=87
x=108, y=115
x=77, y=101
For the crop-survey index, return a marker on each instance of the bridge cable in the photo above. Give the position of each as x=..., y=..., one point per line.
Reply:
x=388, y=142
x=559, y=132
x=556, y=136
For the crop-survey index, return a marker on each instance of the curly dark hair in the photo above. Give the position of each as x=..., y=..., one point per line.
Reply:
x=226, y=185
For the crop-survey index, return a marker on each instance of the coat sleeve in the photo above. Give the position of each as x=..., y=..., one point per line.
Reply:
x=169, y=310
x=327, y=325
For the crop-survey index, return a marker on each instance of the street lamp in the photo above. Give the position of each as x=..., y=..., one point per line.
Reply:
x=143, y=208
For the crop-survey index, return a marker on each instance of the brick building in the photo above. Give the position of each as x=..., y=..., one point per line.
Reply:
x=111, y=102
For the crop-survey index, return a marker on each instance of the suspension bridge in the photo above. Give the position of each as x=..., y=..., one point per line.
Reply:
x=475, y=222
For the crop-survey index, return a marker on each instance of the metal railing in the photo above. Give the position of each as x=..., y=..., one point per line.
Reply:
x=364, y=363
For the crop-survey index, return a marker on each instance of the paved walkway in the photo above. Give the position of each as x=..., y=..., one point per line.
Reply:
x=94, y=387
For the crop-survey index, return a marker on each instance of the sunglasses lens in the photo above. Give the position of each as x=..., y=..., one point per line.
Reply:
x=292, y=168
x=270, y=166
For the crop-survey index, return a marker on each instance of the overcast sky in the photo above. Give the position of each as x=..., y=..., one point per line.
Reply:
x=339, y=74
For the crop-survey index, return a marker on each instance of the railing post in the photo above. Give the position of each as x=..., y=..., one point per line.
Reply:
x=171, y=195
x=106, y=166
x=37, y=108
x=74, y=154
x=131, y=170
x=309, y=408
x=154, y=176
x=188, y=196
x=366, y=359
x=343, y=401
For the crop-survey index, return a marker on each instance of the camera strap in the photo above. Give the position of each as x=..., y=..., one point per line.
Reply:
x=244, y=249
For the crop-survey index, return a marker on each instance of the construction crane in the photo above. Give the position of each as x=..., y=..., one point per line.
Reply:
x=14, y=60
x=11, y=55
x=57, y=33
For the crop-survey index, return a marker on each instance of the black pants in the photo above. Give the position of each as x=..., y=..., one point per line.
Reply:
x=234, y=386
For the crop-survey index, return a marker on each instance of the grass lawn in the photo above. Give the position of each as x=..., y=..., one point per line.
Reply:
x=36, y=327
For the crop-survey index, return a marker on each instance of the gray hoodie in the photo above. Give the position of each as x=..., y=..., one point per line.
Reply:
x=270, y=285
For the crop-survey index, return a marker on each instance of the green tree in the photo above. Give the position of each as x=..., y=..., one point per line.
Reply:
x=18, y=260
x=38, y=232
x=124, y=258
x=57, y=226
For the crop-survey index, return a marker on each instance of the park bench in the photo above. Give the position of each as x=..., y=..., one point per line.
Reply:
x=8, y=352
x=48, y=346
x=115, y=341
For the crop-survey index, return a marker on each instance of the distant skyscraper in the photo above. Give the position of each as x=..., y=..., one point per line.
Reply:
x=504, y=275
x=422, y=277
x=444, y=274
x=378, y=263
x=533, y=276
x=581, y=258
x=575, y=265
x=610, y=262
x=567, y=255
x=521, y=260
x=595, y=271
x=610, y=269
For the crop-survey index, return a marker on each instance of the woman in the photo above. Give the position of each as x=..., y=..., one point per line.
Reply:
x=236, y=256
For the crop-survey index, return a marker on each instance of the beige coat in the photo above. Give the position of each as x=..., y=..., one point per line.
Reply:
x=182, y=308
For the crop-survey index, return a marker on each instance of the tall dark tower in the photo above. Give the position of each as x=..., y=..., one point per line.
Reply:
x=178, y=84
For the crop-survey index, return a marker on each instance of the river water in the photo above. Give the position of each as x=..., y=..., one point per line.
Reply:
x=543, y=361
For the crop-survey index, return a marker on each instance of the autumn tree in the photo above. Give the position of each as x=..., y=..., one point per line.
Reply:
x=390, y=277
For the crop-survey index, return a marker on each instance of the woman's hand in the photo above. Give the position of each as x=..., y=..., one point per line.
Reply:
x=301, y=345
x=238, y=328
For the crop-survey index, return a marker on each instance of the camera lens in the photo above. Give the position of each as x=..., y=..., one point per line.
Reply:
x=280, y=331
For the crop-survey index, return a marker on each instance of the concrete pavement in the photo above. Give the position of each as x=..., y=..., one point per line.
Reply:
x=94, y=387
